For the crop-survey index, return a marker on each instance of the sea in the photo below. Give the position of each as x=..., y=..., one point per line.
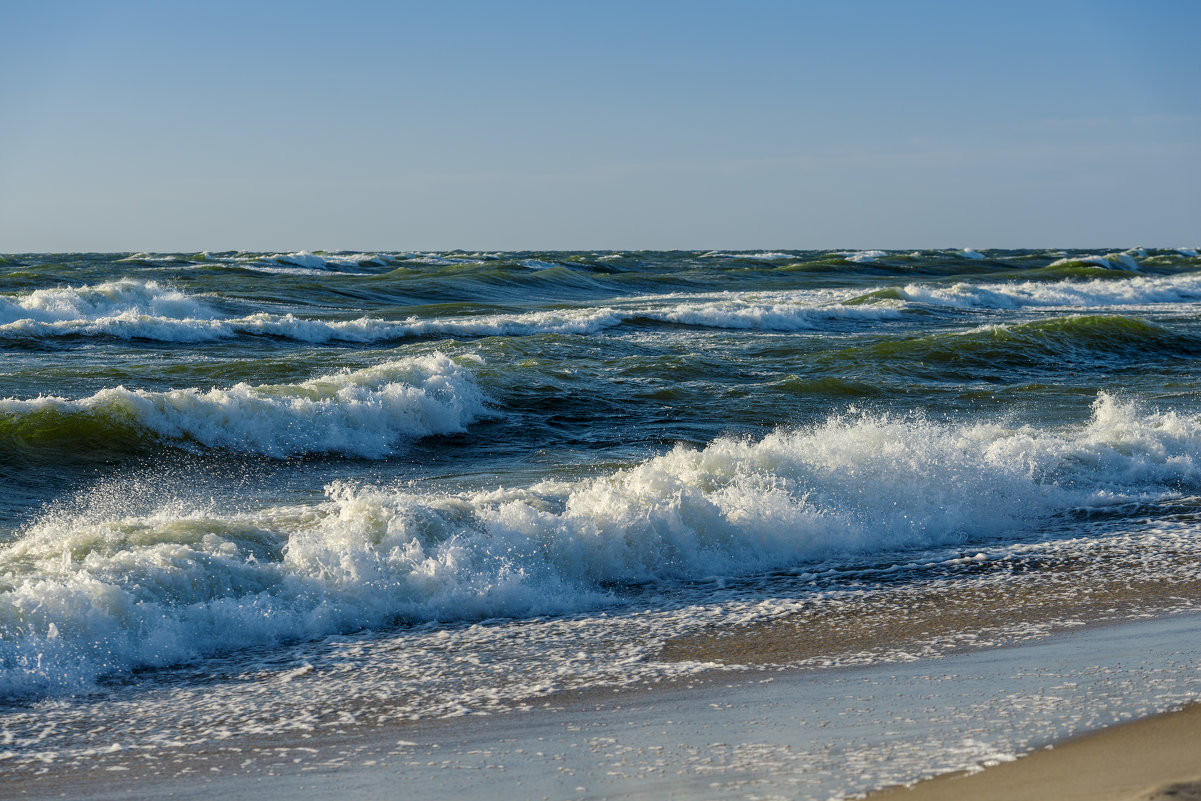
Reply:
x=262, y=495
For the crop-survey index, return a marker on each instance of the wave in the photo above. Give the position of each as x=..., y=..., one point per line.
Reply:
x=306, y=262
x=863, y=256
x=749, y=256
x=366, y=413
x=126, y=579
x=785, y=312
x=1126, y=259
x=1133, y=291
x=129, y=309
x=1051, y=343
x=121, y=299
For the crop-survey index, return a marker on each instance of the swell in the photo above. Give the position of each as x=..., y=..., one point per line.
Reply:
x=1077, y=340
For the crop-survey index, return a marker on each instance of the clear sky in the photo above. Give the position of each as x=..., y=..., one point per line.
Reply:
x=179, y=126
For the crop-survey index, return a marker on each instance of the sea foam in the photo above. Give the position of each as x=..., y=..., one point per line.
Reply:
x=365, y=413
x=105, y=585
x=1134, y=291
x=129, y=309
x=1126, y=259
x=124, y=298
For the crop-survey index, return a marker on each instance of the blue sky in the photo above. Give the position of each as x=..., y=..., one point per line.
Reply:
x=177, y=126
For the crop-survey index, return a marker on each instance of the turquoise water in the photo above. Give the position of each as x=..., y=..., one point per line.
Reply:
x=303, y=482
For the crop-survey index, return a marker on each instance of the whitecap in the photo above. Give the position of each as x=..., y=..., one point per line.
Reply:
x=367, y=413
x=863, y=256
x=107, y=588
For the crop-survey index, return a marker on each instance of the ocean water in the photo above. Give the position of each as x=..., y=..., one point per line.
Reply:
x=250, y=494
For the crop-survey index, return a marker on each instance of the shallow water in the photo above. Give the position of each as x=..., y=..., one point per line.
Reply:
x=248, y=494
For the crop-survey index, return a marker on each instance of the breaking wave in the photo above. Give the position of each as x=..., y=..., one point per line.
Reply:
x=129, y=309
x=1134, y=291
x=365, y=413
x=126, y=578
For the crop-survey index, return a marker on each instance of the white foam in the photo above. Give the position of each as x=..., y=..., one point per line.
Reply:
x=147, y=310
x=1099, y=261
x=304, y=262
x=538, y=264
x=112, y=299
x=750, y=256
x=364, y=413
x=125, y=308
x=780, y=314
x=436, y=260
x=125, y=587
x=1092, y=293
x=974, y=255
x=130, y=309
x=1126, y=259
x=863, y=256
x=301, y=259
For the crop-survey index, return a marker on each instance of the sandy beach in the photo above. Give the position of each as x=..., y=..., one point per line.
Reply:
x=1154, y=759
x=746, y=734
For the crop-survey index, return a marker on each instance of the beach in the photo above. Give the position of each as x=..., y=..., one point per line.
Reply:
x=1155, y=759
x=711, y=524
x=755, y=401
x=750, y=734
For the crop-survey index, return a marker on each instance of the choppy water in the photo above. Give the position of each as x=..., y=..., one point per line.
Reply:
x=254, y=493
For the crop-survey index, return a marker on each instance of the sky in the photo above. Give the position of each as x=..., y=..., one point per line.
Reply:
x=519, y=125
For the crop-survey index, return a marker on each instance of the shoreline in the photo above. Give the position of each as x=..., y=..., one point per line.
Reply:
x=1153, y=758
x=806, y=734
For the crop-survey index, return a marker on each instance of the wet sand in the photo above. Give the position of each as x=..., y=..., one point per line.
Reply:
x=1007, y=603
x=727, y=735
x=1155, y=759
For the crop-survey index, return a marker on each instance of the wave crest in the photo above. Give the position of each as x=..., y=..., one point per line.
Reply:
x=91, y=593
x=365, y=413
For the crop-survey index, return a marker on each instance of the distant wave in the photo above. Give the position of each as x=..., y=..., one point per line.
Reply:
x=1126, y=260
x=749, y=255
x=1095, y=293
x=863, y=256
x=300, y=261
x=129, y=309
x=365, y=413
x=1047, y=343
